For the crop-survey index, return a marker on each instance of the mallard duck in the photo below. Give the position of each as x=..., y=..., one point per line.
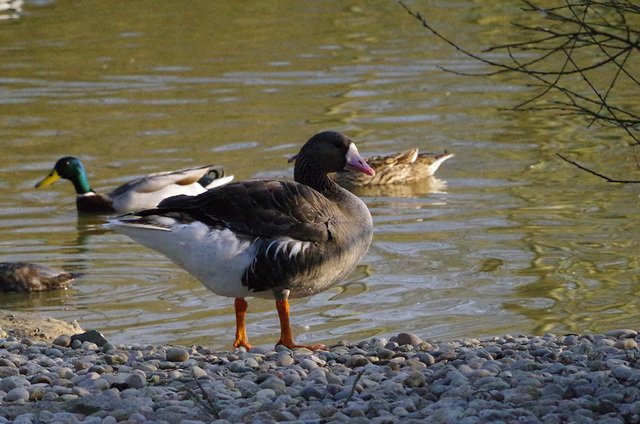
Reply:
x=25, y=277
x=266, y=238
x=141, y=193
x=398, y=168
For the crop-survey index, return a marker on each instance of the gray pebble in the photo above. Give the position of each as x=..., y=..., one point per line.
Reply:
x=623, y=372
x=18, y=394
x=177, y=354
x=504, y=379
x=622, y=333
x=426, y=358
x=308, y=364
x=198, y=372
x=415, y=379
x=239, y=366
x=54, y=353
x=63, y=340
x=311, y=392
x=626, y=344
x=136, y=381
x=9, y=383
x=384, y=353
x=357, y=361
x=408, y=339
x=284, y=359
x=86, y=346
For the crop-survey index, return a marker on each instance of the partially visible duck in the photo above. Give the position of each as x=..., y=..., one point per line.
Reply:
x=398, y=168
x=266, y=238
x=141, y=193
x=25, y=277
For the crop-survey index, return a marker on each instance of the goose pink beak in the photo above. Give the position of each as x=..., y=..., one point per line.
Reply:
x=356, y=163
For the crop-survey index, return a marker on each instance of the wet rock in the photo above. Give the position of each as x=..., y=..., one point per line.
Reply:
x=91, y=336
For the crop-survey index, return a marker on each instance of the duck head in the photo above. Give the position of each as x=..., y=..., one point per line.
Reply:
x=68, y=168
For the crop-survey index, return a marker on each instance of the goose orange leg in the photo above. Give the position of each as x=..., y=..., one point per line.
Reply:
x=242, y=340
x=286, y=335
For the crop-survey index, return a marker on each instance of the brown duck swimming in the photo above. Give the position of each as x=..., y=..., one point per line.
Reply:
x=400, y=168
x=25, y=277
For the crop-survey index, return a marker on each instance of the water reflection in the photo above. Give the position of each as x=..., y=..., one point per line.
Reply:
x=10, y=9
x=414, y=189
x=506, y=239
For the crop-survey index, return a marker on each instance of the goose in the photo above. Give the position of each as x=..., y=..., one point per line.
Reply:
x=26, y=277
x=142, y=193
x=266, y=238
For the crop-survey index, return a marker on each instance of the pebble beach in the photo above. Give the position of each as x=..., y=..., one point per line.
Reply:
x=82, y=378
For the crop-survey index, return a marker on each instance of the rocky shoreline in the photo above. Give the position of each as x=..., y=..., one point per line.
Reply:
x=526, y=379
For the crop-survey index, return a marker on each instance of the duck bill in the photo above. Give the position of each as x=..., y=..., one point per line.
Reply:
x=356, y=163
x=50, y=179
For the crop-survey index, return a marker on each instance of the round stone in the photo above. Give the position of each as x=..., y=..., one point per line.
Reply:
x=308, y=364
x=27, y=341
x=384, y=353
x=622, y=333
x=622, y=372
x=357, y=361
x=408, y=339
x=41, y=378
x=626, y=344
x=136, y=381
x=415, y=379
x=198, y=372
x=177, y=354
x=63, y=340
x=19, y=394
x=310, y=392
x=284, y=359
x=8, y=383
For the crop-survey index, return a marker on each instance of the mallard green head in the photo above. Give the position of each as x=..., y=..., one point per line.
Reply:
x=68, y=168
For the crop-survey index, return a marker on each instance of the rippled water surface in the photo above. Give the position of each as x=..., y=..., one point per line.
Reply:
x=507, y=238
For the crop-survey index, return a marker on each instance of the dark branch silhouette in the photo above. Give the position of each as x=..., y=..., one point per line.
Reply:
x=584, y=59
x=597, y=174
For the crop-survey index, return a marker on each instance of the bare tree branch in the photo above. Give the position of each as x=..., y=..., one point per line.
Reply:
x=604, y=177
x=590, y=36
x=586, y=57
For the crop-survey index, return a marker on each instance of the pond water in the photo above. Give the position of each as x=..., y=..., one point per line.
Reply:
x=506, y=239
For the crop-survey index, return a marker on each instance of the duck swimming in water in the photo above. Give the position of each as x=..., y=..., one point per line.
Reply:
x=399, y=168
x=25, y=277
x=405, y=167
x=142, y=193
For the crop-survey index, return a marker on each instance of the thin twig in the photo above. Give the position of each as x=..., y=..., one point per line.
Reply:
x=604, y=177
x=353, y=387
x=209, y=407
x=591, y=36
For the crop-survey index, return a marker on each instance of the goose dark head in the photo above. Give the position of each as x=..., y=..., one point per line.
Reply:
x=327, y=152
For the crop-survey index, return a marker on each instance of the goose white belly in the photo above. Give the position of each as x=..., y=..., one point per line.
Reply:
x=217, y=258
